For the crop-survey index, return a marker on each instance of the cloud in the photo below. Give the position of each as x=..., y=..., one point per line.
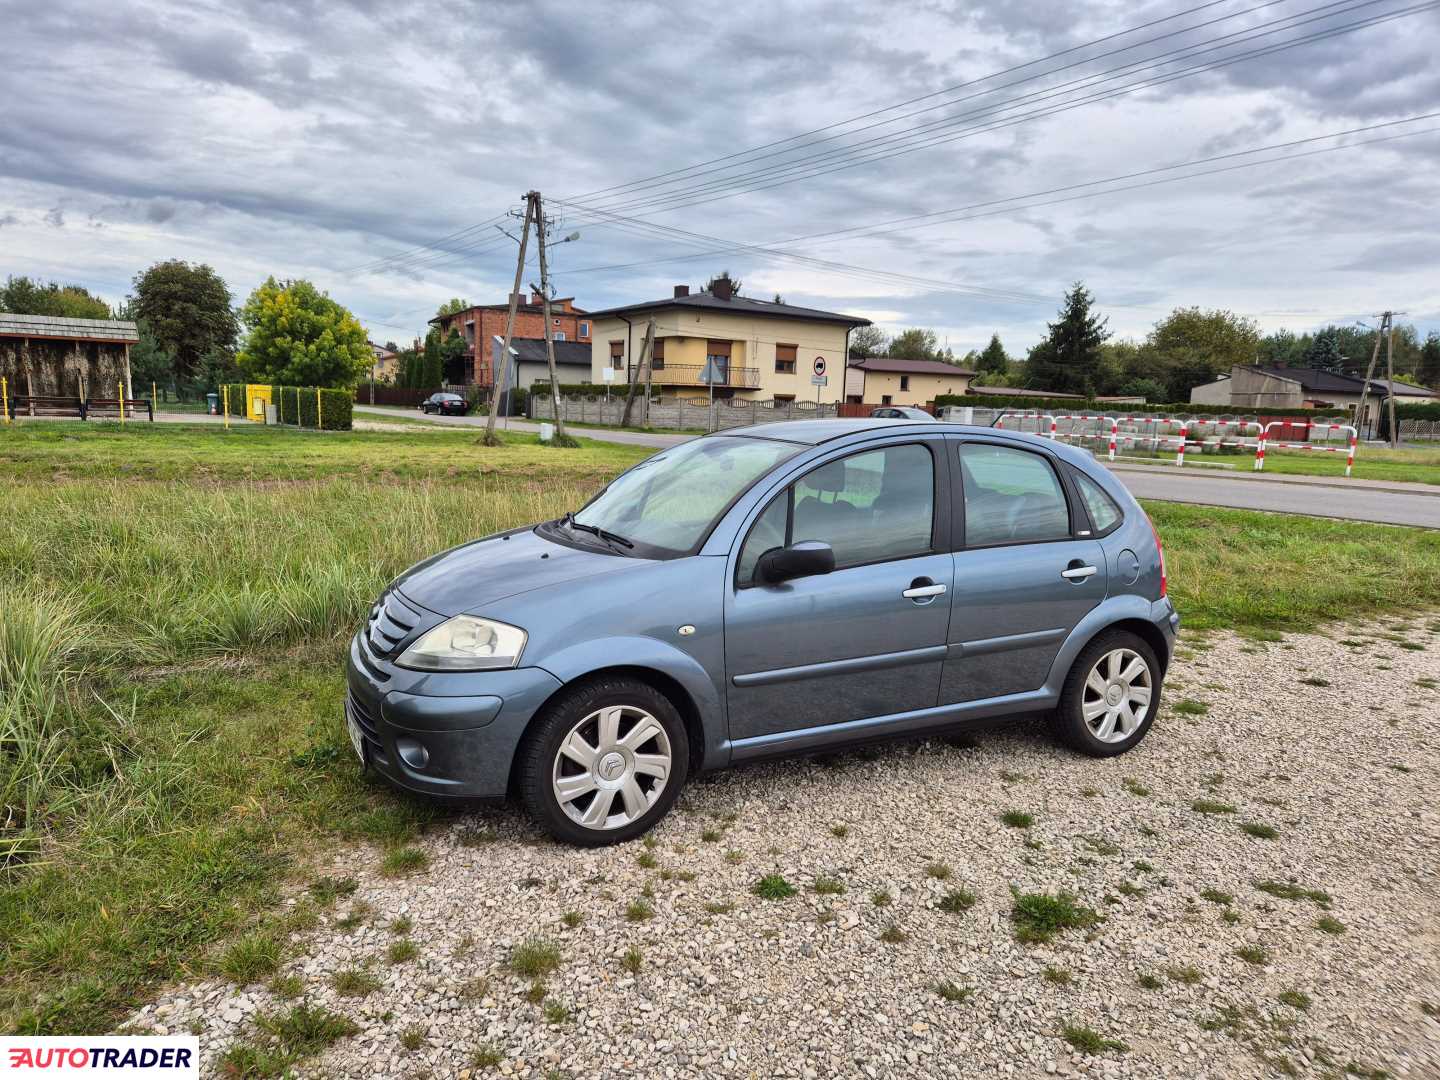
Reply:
x=306, y=140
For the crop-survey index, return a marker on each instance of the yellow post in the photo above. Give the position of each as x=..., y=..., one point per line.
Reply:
x=121, y=398
x=153, y=396
x=225, y=404
x=4, y=399
x=319, y=420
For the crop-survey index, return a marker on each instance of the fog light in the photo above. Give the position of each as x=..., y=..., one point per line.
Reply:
x=412, y=752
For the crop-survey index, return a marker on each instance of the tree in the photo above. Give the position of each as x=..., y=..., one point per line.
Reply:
x=993, y=360
x=778, y=299
x=1281, y=348
x=1324, y=352
x=866, y=341
x=451, y=307
x=1428, y=371
x=23, y=296
x=724, y=275
x=452, y=358
x=1068, y=360
x=149, y=362
x=188, y=310
x=1191, y=346
x=915, y=344
x=298, y=336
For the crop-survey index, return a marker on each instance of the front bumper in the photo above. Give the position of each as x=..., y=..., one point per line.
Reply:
x=451, y=734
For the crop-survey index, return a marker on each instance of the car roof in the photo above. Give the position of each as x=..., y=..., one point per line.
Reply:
x=818, y=432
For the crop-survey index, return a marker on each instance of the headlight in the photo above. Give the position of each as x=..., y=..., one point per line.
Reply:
x=466, y=643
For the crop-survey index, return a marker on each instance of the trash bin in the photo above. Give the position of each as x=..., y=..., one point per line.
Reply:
x=213, y=403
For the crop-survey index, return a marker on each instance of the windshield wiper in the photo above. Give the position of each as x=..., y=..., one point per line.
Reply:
x=595, y=530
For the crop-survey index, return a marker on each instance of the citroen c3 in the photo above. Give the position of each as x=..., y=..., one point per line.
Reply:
x=766, y=591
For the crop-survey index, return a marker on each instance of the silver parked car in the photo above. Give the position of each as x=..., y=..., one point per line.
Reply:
x=766, y=591
x=900, y=412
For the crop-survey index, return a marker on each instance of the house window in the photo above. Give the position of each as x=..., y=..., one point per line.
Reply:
x=617, y=354
x=904, y=382
x=717, y=360
x=559, y=335
x=584, y=329
x=785, y=359
x=657, y=355
x=884, y=399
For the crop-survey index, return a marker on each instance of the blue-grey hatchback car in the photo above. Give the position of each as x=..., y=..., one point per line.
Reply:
x=766, y=591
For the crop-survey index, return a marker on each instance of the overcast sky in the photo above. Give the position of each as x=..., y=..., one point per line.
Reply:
x=314, y=140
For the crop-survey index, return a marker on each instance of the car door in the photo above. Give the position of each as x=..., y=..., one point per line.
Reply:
x=866, y=639
x=1027, y=570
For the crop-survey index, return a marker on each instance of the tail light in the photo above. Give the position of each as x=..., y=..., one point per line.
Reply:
x=1160, y=554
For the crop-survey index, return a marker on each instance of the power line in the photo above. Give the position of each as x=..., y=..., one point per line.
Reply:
x=902, y=104
x=790, y=172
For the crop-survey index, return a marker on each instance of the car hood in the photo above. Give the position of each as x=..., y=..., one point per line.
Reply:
x=466, y=578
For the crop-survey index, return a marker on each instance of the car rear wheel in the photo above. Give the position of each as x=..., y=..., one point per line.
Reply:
x=1110, y=696
x=604, y=762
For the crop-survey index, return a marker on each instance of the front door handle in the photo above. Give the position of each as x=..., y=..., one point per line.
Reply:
x=1078, y=573
x=922, y=588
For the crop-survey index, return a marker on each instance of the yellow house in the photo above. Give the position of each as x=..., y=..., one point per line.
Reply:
x=886, y=380
x=749, y=349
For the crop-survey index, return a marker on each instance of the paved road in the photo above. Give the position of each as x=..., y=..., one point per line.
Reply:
x=510, y=423
x=1356, y=500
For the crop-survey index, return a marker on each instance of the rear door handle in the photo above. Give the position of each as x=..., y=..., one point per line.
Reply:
x=1078, y=573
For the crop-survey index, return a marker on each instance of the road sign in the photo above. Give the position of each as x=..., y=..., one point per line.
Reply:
x=819, y=368
x=608, y=374
x=819, y=380
x=713, y=373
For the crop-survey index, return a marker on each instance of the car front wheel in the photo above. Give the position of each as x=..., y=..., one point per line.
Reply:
x=604, y=762
x=1110, y=696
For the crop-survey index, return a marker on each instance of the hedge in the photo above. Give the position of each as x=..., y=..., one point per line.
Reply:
x=336, y=406
x=1071, y=406
x=1417, y=411
x=542, y=386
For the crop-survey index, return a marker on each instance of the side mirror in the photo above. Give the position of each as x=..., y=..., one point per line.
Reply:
x=804, y=559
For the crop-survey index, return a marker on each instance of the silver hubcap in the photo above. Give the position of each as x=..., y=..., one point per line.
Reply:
x=1117, y=695
x=611, y=767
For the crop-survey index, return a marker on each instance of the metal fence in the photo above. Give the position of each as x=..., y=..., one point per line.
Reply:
x=1420, y=430
x=697, y=413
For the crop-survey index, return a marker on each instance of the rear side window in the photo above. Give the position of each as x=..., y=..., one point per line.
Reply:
x=1011, y=497
x=1104, y=514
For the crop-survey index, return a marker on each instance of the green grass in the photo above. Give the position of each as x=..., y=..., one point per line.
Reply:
x=535, y=958
x=1017, y=819
x=957, y=901
x=773, y=887
x=1038, y=917
x=1089, y=1041
x=177, y=600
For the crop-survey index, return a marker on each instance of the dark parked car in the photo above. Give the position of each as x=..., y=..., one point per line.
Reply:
x=900, y=412
x=766, y=591
x=445, y=405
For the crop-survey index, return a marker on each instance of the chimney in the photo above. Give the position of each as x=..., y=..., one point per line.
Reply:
x=536, y=298
x=681, y=290
x=518, y=298
x=721, y=289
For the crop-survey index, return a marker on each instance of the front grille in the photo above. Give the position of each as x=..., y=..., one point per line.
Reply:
x=366, y=723
x=391, y=623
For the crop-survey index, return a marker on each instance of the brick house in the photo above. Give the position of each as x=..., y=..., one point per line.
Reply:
x=483, y=322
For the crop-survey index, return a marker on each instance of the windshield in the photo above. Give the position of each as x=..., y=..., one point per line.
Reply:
x=670, y=501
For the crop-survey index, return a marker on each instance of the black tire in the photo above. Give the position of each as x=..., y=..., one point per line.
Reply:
x=536, y=758
x=1068, y=719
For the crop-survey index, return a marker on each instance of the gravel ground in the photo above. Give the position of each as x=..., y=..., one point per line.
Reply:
x=1345, y=768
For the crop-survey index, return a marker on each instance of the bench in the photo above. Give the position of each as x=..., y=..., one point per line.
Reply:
x=36, y=405
x=109, y=408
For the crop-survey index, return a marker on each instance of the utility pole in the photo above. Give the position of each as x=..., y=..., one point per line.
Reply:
x=540, y=230
x=1369, y=374
x=499, y=379
x=1390, y=377
x=647, y=348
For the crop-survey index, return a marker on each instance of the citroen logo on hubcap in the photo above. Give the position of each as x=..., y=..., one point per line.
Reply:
x=1114, y=694
x=611, y=766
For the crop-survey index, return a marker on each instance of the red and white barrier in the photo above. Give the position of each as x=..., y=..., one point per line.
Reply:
x=1309, y=426
x=1000, y=422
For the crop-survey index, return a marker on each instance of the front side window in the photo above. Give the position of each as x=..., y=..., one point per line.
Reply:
x=617, y=354
x=870, y=507
x=904, y=382
x=1104, y=514
x=785, y=359
x=1011, y=497
x=584, y=329
x=666, y=505
x=657, y=355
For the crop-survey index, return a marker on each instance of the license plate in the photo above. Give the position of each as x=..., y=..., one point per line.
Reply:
x=356, y=739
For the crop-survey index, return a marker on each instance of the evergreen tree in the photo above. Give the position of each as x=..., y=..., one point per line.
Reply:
x=1428, y=371
x=432, y=371
x=993, y=360
x=1068, y=360
x=1324, y=352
